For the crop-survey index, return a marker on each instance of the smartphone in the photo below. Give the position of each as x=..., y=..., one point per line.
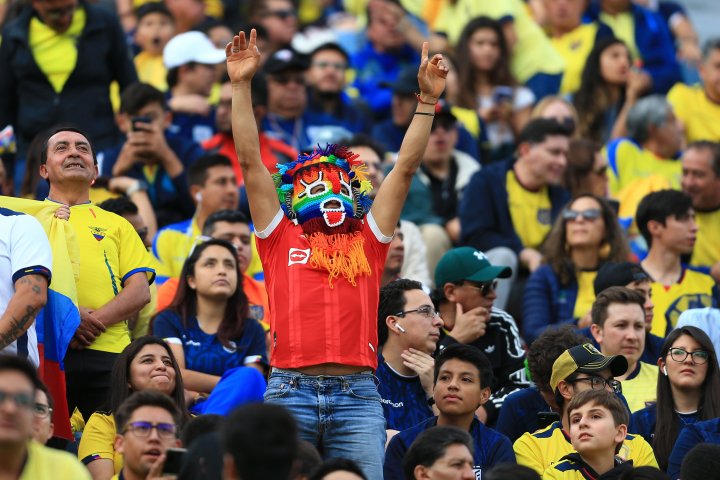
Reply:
x=135, y=121
x=502, y=94
x=546, y=418
x=173, y=460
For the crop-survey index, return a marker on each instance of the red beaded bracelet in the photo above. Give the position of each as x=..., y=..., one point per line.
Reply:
x=417, y=95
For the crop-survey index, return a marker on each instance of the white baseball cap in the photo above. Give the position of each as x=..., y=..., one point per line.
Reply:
x=191, y=47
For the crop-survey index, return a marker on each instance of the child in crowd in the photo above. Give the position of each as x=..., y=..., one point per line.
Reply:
x=155, y=28
x=598, y=426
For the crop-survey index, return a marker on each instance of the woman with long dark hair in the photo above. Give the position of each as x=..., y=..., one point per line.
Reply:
x=488, y=86
x=146, y=364
x=208, y=329
x=560, y=292
x=688, y=391
x=610, y=87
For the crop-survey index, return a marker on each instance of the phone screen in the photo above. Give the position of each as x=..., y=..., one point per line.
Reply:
x=134, y=121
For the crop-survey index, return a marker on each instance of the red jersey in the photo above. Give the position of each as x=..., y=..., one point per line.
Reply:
x=312, y=323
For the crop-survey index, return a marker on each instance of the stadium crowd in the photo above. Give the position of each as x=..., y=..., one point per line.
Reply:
x=358, y=239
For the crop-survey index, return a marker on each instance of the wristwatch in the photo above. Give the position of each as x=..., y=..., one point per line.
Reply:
x=139, y=185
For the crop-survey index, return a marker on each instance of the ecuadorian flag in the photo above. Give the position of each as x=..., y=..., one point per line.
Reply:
x=57, y=322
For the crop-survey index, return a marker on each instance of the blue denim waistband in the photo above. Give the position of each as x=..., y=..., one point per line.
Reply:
x=301, y=376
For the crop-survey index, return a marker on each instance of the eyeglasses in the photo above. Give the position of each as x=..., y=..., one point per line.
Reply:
x=599, y=383
x=285, y=79
x=699, y=357
x=58, y=13
x=143, y=429
x=589, y=214
x=281, y=14
x=24, y=400
x=484, y=287
x=334, y=65
x=40, y=410
x=426, y=311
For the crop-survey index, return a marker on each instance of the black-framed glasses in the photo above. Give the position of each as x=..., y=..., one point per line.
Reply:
x=426, y=311
x=143, y=429
x=24, y=400
x=698, y=357
x=599, y=383
x=589, y=214
x=41, y=410
x=484, y=287
x=281, y=14
x=340, y=66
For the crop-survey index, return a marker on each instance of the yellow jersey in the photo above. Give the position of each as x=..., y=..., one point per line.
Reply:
x=172, y=245
x=693, y=290
x=623, y=26
x=44, y=463
x=641, y=386
x=98, y=441
x=56, y=53
x=532, y=54
x=110, y=252
x=545, y=447
x=707, y=248
x=699, y=114
x=586, y=293
x=574, y=48
x=151, y=69
x=529, y=211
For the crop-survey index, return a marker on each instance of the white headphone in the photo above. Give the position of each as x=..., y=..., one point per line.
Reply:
x=665, y=370
x=399, y=327
x=198, y=197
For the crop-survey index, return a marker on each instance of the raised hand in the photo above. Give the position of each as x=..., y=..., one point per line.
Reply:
x=431, y=75
x=243, y=57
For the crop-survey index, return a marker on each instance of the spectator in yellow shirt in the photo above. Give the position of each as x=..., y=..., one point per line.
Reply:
x=701, y=180
x=698, y=106
x=155, y=28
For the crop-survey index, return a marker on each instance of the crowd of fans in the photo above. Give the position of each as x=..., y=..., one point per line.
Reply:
x=362, y=239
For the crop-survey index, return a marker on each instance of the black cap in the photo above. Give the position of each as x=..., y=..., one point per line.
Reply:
x=331, y=46
x=406, y=82
x=285, y=59
x=444, y=109
x=618, y=274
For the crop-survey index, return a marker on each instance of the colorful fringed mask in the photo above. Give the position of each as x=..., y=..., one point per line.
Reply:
x=327, y=192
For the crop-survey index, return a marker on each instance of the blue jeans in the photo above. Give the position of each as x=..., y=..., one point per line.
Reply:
x=341, y=415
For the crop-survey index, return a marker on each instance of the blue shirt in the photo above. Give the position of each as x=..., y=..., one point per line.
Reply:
x=519, y=413
x=643, y=421
x=403, y=399
x=491, y=448
x=707, y=431
x=203, y=352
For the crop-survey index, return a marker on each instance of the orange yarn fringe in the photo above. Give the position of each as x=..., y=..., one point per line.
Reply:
x=339, y=254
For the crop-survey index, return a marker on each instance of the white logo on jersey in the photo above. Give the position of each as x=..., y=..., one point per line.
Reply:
x=490, y=349
x=296, y=255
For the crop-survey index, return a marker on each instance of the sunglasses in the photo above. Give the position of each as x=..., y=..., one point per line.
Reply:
x=281, y=14
x=58, y=13
x=484, y=287
x=589, y=214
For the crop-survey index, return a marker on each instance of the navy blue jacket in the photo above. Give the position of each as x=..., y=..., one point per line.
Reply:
x=491, y=448
x=643, y=422
x=654, y=41
x=519, y=413
x=546, y=302
x=707, y=431
x=484, y=212
x=28, y=100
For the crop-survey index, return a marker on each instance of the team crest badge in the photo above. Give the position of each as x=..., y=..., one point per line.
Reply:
x=98, y=233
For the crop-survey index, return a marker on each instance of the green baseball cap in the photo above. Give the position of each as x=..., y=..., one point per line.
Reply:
x=466, y=263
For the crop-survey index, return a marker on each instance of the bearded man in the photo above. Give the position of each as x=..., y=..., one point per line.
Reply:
x=323, y=250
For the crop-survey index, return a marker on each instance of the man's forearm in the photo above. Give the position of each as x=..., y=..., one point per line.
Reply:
x=30, y=296
x=133, y=297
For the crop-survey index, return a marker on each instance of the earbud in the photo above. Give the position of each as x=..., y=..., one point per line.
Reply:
x=198, y=197
x=399, y=327
x=665, y=370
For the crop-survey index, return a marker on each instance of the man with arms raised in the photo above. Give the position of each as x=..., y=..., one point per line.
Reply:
x=323, y=253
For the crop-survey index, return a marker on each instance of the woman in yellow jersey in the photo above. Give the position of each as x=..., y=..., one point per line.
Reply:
x=561, y=291
x=688, y=391
x=488, y=87
x=146, y=364
x=608, y=89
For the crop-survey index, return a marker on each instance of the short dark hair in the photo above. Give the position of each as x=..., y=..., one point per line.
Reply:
x=21, y=365
x=337, y=465
x=262, y=439
x=145, y=398
x=701, y=462
x=609, y=296
x=307, y=459
x=199, y=426
x=229, y=216
x=335, y=47
x=52, y=131
x=119, y=206
x=40, y=385
x=431, y=445
x=153, y=7
x=546, y=349
x=138, y=95
x=197, y=173
x=538, y=129
x=468, y=354
x=392, y=301
x=713, y=147
x=660, y=205
x=364, y=140
x=605, y=399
